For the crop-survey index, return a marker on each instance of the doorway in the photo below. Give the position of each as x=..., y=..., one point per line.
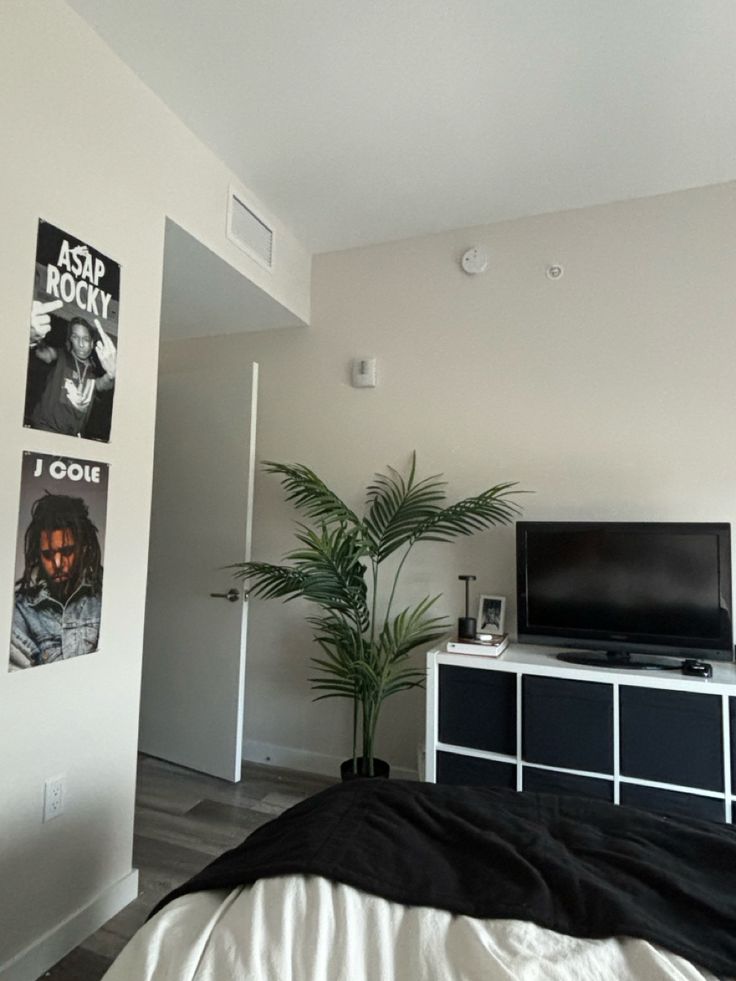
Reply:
x=194, y=652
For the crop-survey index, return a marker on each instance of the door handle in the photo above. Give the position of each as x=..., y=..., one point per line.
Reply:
x=233, y=595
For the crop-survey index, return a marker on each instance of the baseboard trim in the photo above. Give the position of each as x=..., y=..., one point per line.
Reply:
x=30, y=963
x=303, y=759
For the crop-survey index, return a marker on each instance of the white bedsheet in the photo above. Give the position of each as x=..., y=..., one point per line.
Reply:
x=297, y=928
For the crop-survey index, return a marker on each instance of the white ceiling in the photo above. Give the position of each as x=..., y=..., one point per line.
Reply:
x=360, y=121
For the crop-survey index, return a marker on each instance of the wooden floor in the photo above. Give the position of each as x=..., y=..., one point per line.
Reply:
x=183, y=820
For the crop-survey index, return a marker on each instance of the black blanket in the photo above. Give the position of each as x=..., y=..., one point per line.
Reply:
x=577, y=866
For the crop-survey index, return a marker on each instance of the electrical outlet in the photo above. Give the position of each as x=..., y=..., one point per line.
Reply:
x=53, y=797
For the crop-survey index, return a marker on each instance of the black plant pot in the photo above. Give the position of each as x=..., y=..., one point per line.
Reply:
x=380, y=768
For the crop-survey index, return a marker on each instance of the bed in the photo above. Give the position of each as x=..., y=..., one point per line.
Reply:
x=383, y=880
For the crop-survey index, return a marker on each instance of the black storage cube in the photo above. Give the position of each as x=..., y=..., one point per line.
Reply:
x=472, y=771
x=671, y=802
x=568, y=724
x=477, y=709
x=672, y=737
x=552, y=782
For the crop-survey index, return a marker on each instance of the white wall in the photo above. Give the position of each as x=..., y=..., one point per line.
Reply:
x=88, y=148
x=609, y=393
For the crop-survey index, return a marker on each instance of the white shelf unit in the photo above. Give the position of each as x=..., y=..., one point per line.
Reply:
x=533, y=674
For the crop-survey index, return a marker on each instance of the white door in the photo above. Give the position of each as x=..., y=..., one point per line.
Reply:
x=194, y=643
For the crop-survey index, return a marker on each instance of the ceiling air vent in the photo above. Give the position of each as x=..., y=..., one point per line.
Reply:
x=249, y=232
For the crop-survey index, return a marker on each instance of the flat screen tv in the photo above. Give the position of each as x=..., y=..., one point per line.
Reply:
x=624, y=588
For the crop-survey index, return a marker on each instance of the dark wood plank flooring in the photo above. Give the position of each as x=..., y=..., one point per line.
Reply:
x=182, y=820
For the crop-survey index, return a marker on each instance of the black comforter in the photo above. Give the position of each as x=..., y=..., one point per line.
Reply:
x=577, y=866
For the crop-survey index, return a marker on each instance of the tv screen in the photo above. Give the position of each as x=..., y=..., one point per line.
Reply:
x=659, y=588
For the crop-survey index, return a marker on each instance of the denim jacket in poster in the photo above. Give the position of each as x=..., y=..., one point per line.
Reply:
x=46, y=630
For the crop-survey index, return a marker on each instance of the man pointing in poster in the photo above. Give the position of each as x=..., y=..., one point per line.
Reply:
x=76, y=376
x=58, y=596
x=72, y=358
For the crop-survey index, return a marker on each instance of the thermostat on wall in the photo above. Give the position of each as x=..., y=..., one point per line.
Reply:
x=364, y=373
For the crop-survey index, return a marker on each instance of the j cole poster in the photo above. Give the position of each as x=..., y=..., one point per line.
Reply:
x=60, y=545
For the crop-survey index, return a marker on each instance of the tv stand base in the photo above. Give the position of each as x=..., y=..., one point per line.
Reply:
x=657, y=740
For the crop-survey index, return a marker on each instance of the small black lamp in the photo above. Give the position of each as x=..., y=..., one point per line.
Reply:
x=466, y=625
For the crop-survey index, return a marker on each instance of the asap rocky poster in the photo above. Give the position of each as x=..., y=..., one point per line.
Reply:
x=60, y=545
x=72, y=355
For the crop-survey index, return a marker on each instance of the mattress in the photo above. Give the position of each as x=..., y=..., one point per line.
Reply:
x=307, y=928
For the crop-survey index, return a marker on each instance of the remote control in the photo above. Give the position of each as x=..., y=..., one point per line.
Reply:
x=700, y=669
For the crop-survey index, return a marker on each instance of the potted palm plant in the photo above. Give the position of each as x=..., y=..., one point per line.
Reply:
x=365, y=645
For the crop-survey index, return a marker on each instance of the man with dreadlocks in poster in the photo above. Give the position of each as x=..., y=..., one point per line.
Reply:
x=58, y=597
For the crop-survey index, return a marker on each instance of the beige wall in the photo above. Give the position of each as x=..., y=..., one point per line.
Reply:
x=88, y=148
x=609, y=393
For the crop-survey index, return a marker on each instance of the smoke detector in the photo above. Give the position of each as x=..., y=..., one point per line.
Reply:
x=474, y=261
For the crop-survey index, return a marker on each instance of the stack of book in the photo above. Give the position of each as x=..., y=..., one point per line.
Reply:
x=489, y=645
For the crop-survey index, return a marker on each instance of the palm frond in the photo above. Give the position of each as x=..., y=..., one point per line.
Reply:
x=333, y=694
x=268, y=581
x=473, y=514
x=327, y=571
x=357, y=676
x=339, y=637
x=400, y=682
x=307, y=492
x=397, y=506
x=410, y=629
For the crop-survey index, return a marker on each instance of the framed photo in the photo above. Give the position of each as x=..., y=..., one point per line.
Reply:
x=491, y=614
